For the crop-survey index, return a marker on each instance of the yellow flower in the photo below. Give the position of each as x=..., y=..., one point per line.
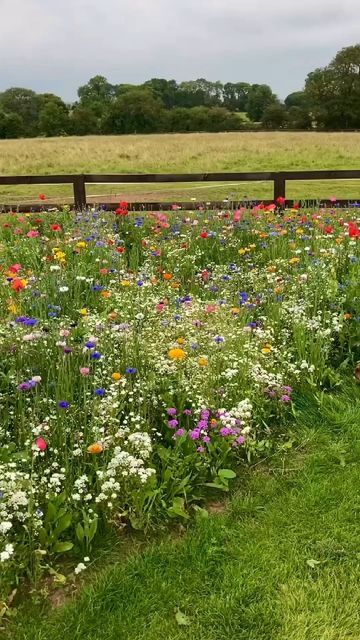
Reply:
x=96, y=447
x=116, y=376
x=177, y=354
x=180, y=340
x=12, y=307
x=271, y=268
x=125, y=283
x=294, y=260
x=235, y=310
x=81, y=244
x=242, y=251
x=83, y=312
x=203, y=361
x=266, y=349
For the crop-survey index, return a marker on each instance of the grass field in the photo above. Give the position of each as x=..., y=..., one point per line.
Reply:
x=183, y=153
x=281, y=563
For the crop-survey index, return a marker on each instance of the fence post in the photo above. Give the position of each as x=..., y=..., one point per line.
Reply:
x=79, y=192
x=279, y=185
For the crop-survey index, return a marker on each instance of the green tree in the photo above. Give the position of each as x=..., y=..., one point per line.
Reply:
x=163, y=89
x=260, y=97
x=54, y=120
x=83, y=121
x=296, y=99
x=274, y=116
x=136, y=111
x=97, y=95
x=299, y=118
x=333, y=92
x=235, y=95
x=11, y=125
x=24, y=103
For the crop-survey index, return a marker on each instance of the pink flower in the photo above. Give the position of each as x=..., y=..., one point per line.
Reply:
x=32, y=233
x=41, y=444
x=84, y=371
x=64, y=333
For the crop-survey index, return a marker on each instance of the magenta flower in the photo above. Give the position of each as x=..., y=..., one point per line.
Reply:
x=172, y=424
x=171, y=411
x=285, y=398
x=179, y=433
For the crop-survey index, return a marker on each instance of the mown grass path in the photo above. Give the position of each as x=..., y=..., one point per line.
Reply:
x=282, y=562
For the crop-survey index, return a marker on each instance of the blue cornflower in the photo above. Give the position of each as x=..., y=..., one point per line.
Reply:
x=30, y=322
x=140, y=283
x=89, y=344
x=97, y=287
x=20, y=319
x=219, y=339
x=130, y=370
x=99, y=392
x=63, y=404
x=95, y=355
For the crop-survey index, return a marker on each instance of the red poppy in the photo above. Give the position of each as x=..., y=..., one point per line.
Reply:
x=204, y=234
x=121, y=212
x=55, y=227
x=280, y=201
x=18, y=284
x=329, y=229
x=354, y=231
x=120, y=249
x=42, y=196
x=296, y=205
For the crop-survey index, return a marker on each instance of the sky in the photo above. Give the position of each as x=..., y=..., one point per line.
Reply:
x=57, y=45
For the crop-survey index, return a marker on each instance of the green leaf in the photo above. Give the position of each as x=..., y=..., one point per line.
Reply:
x=93, y=529
x=181, y=618
x=177, y=509
x=61, y=547
x=63, y=523
x=79, y=532
x=215, y=485
x=226, y=473
x=50, y=513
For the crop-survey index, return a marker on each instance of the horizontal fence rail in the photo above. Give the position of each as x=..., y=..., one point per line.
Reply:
x=79, y=181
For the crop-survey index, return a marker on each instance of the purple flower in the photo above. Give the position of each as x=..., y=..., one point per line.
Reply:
x=219, y=339
x=63, y=404
x=200, y=449
x=195, y=434
x=179, y=433
x=67, y=350
x=172, y=424
x=95, y=355
x=202, y=424
x=171, y=411
x=24, y=386
x=130, y=370
x=206, y=439
x=99, y=392
x=288, y=390
x=205, y=414
x=285, y=398
x=187, y=412
x=226, y=431
x=89, y=344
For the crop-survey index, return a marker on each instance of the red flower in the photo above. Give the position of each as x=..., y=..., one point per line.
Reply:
x=42, y=196
x=121, y=212
x=329, y=229
x=120, y=249
x=204, y=234
x=354, y=231
x=296, y=205
x=41, y=444
x=205, y=275
x=15, y=268
x=55, y=227
x=18, y=284
x=280, y=201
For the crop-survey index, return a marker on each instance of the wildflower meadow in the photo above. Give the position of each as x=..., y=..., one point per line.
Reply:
x=146, y=357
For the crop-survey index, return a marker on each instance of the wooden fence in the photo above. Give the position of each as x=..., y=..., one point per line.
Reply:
x=279, y=179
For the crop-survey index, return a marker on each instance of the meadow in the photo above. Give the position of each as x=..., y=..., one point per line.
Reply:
x=182, y=153
x=150, y=364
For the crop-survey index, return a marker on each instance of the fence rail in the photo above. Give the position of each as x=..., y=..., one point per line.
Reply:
x=79, y=181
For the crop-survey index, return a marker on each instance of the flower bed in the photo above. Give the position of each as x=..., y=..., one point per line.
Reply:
x=144, y=357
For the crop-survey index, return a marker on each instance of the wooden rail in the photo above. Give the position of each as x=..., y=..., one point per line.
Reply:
x=279, y=179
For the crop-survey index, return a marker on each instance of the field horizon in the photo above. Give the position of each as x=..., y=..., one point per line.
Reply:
x=182, y=153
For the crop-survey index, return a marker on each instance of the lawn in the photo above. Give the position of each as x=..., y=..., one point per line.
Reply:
x=280, y=563
x=183, y=153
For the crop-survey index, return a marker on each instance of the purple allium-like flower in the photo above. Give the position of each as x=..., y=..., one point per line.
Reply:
x=179, y=433
x=288, y=390
x=206, y=439
x=171, y=411
x=200, y=449
x=63, y=404
x=202, y=424
x=187, y=412
x=194, y=434
x=24, y=386
x=285, y=398
x=172, y=424
x=205, y=414
x=226, y=431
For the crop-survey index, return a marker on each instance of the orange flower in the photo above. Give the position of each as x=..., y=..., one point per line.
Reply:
x=116, y=376
x=112, y=315
x=96, y=447
x=203, y=361
x=177, y=354
x=167, y=276
x=347, y=316
x=18, y=284
x=105, y=294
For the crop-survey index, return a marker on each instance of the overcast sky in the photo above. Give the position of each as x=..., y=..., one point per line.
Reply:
x=57, y=45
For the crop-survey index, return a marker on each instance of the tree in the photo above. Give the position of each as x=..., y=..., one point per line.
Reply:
x=299, y=118
x=54, y=120
x=97, y=94
x=235, y=95
x=134, y=112
x=296, y=99
x=83, y=121
x=163, y=89
x=260, y=96
x=274, y=116
x=333, y=92
x=25, y=103
x=11, y=125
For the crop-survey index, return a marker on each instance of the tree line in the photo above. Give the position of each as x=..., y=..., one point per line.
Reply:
x=329, y=100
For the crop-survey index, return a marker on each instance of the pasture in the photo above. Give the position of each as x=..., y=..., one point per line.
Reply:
x=171, y=153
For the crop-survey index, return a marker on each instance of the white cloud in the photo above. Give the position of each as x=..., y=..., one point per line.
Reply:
x=52, y=46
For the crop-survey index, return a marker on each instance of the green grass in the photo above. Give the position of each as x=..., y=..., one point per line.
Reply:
x=182, y=153
x=281, y=563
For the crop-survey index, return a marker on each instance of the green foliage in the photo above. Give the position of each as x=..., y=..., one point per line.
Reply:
x=259, y=98
x=274, y=116
x=54, y=120
x=136, y=111
x=11, y=125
